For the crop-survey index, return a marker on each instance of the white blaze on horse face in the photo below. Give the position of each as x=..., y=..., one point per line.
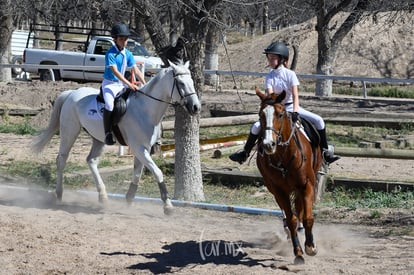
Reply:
x=269, y=144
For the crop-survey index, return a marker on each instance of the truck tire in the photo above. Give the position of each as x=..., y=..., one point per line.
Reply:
x=17, y=60
x=45, y=75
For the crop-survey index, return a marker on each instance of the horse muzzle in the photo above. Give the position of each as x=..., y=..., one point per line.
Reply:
x=193, y=104
x=269, y=147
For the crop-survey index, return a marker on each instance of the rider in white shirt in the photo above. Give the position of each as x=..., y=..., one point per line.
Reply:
x=280, y=79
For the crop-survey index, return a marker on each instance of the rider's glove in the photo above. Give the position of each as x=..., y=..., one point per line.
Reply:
x=295, y=117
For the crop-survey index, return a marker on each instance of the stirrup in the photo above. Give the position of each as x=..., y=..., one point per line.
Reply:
x=109, y=140
x=330, y=158
x=239, y=157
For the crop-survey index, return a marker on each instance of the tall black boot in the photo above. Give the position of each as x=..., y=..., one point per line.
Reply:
x=108, y=121
x=327, y=155
x=242, y=156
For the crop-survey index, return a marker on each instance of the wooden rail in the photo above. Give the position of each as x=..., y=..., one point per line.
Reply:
x=392, y=123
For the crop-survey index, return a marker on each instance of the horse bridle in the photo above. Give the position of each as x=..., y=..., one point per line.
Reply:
x=279, y=141
x=175, y=84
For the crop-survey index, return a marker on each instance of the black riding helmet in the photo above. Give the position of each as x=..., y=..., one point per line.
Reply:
x=120, y=29
x=279, y=48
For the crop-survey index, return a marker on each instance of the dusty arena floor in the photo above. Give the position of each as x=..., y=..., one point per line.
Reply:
x=83, y=237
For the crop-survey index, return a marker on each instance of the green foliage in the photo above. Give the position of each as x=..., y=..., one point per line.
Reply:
x=367, y=198
x=23, y=128
x=378, y=91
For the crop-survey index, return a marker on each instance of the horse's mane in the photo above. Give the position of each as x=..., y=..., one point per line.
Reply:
x=179, y=68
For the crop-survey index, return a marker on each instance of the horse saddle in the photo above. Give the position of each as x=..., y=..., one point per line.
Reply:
x=119, y=110
x=310, y=131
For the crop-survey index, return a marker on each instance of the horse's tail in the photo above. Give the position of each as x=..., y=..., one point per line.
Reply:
x=46, y=135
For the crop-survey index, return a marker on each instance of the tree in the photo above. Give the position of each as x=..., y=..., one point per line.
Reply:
x=331, y=31
x=330, y=37
x=6, y=30
x=196, y=15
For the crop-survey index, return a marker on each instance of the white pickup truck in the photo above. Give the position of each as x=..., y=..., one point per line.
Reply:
x=94, y=55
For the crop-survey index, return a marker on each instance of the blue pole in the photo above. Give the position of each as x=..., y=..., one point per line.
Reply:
x=203, y=205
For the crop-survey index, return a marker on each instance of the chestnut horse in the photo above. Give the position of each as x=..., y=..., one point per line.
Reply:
x=289, y=165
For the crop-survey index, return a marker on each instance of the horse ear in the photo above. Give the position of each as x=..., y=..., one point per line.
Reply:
x=187, y=64
x=171, y=63
x=259, y=93
x=281, y=96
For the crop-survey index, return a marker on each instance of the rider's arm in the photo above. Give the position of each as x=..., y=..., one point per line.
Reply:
x=139, y=74
x=122, y=78
x=295, y=95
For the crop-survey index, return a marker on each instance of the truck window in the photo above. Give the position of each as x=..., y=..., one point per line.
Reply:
x=102, y=46
x=137, y=49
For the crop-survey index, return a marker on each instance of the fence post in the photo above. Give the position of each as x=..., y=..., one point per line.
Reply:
x=364, y=89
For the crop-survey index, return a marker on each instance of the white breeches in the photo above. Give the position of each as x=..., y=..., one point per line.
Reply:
x=110, y=91
x=315, y=119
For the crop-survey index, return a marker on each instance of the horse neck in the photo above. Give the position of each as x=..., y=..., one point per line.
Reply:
x=157, y=95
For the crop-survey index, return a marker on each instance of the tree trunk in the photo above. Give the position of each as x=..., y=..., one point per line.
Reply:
x=211, y=53
x=150, y=17
x=188, y=177
x=330, y=37
x=138, y=27
x=6, y=30
x=265, y=17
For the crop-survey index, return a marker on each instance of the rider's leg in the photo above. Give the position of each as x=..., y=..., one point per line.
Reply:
x=109, y=93
x=328, y=156
x=108, y=121
x=242, y=156
x=319, y=124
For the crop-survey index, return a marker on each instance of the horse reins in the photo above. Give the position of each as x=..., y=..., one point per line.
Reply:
x=175, y=84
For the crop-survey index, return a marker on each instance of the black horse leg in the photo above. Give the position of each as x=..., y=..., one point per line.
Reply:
x=163, y=191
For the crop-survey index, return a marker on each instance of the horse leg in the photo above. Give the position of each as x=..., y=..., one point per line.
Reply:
x=144, y=156
x=67, y=139
x=60, y=165
x=292, y=223
x=93, y=160
x=132, y=190
x=310, y=247
x=285, y=226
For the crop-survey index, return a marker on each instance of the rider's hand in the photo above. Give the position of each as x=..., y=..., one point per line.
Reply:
x=295, y=117
x=133, y=87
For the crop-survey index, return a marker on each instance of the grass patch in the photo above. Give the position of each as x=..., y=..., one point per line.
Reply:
x=22, y=128
x=367, y=198
x=378, y=91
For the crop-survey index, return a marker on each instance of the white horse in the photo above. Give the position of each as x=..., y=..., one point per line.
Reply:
x=77, y=109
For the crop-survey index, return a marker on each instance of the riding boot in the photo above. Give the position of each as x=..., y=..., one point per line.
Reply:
x=327, y=154
x=107, y=119
x=242, y=156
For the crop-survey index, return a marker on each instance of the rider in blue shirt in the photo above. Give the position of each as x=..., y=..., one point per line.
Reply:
x=117, y=60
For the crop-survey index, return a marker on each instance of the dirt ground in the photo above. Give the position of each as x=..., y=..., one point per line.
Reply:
x=82, y=237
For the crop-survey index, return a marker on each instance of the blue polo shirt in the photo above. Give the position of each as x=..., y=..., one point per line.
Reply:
x=116, y=57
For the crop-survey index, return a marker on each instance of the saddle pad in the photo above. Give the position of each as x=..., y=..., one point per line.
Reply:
x=95, y=110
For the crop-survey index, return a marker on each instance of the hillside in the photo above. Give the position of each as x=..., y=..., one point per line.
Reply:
x=369, y=49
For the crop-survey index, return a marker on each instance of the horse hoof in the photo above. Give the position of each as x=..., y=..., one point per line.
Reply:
x=299, y=260
x=168, y=210
x=103, y=199
x=311, y=250
x=130, y=195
